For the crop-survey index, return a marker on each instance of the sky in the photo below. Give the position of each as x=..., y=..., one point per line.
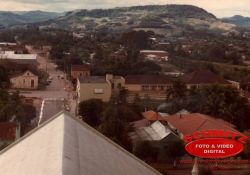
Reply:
x=220, y=8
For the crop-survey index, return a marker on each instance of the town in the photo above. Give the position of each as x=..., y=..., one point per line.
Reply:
x=121, y=97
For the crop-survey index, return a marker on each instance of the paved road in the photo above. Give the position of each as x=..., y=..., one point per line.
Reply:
x=59, y=91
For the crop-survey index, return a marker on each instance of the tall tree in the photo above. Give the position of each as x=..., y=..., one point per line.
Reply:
x=91, y=111
x=177, y=90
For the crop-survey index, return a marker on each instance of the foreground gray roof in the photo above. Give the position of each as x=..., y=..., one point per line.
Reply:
x=65, y=146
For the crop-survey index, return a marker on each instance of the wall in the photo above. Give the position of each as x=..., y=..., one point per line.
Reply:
x=24, y=81
x=76, y=74
x=86, y=91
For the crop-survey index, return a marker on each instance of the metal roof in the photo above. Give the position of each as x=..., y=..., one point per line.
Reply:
x=11, y=55
x=62, y=146
x=92, y=79
x=155, y=132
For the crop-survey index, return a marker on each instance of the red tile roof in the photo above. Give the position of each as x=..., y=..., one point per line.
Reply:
x=189, y=123
x=7, y=131
x=152, y=116
x=203, y=77
x=147, y=79
x=83, y=67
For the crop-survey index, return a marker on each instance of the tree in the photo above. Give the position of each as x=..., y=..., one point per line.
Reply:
x=115, y=125
x=177, y=90
x=136, y=40
x=4, y=80
x=225, y=102
x=12, y=108
x=175, y=150
x=145, y=151
x=91, y=111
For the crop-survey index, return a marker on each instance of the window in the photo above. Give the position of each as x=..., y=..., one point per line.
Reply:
x=153, y=88
x=23, y=81
x=145, y=88
x=98, y=91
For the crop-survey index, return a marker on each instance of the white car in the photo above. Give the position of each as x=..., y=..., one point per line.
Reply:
x=50, y=78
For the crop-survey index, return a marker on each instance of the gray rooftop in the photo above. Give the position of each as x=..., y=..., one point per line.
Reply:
x=92, y=79
x=62, y=146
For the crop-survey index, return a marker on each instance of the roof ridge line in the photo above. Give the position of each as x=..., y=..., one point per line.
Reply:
x=31, y=132
x=113, y=143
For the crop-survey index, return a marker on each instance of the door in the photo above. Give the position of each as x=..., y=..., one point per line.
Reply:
x=32, y=83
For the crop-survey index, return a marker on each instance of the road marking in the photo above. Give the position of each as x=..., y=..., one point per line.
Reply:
x=41, y=112
x=43, y=104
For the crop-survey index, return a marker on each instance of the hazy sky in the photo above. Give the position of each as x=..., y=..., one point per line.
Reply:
x=220, y=8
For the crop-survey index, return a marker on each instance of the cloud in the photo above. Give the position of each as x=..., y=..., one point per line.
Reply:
x=218, y=7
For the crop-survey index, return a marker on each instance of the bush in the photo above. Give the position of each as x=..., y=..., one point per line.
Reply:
x=91, y=111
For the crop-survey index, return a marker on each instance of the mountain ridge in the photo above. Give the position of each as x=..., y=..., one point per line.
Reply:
x=238, y=20
x=9, y=18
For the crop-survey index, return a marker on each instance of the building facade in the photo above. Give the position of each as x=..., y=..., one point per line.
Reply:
x=98, y=87
x=26, y=80
x=79, y=70
x=93, y=87
x=117, y=82
x=147, y=86
x=202, y=78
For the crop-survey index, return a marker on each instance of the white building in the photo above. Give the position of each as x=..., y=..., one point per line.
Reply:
x=66, y=146
x=19, y=58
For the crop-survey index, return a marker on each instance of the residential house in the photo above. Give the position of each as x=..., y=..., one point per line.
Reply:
x=157, y=134
x=25, y=80
x=154, y=55
x=80, y=70
x=65, y=145
x=147, y=86
x=185, y=124
x=202, y=78
x=154, y=132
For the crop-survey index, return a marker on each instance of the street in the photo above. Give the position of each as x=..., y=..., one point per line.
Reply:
x=58, y=95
